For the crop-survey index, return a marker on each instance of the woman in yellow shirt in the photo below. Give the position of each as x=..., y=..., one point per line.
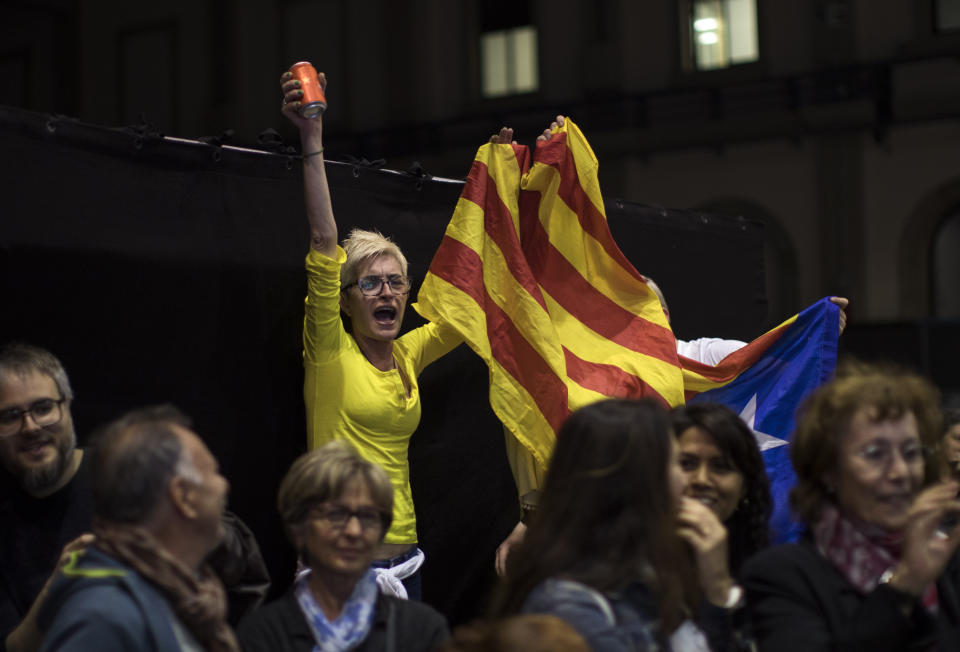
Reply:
x=362, y=386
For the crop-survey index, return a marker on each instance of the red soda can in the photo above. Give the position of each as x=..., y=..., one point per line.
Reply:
x=313, y=102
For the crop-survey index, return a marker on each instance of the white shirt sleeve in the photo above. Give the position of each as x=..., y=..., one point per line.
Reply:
x=708, y=350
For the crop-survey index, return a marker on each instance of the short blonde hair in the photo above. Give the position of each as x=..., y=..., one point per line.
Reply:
x=323, y=474
x=361, y=246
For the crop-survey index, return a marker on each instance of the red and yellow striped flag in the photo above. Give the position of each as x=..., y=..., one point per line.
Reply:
x=530, y=275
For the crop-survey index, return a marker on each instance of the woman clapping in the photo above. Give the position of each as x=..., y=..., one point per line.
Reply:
x=878, y=568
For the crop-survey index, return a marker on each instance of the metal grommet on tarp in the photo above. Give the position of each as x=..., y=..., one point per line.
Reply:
x=217, y=142
x=361, y=162
x=417, y=171
x=143, y=132
x=271, y=141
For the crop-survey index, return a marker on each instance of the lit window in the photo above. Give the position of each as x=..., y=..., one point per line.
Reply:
x=947, y=15
x=508, y=59
x=723, y=33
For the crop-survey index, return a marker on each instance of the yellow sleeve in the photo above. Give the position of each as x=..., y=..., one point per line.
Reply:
x=425, y=344
x=323, y=331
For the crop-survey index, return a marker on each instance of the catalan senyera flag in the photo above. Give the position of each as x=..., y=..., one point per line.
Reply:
x=765, y=382
x=529, y=274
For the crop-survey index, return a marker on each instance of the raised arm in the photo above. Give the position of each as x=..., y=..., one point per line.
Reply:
x=323, y=227
x=505, y=137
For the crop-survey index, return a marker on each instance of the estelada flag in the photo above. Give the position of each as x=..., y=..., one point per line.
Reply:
x=531, y=277
x=765, y=382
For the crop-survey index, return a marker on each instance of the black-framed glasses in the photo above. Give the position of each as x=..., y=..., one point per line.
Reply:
x=44, y=412
x=371, y=286
x=338, y=516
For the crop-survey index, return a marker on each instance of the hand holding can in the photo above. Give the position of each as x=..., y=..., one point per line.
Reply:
x=313, y=102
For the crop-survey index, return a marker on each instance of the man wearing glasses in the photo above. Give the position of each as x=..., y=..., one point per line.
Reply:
x=46, y=498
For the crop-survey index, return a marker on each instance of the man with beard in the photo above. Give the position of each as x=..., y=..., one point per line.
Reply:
x=46, y=498
x=144, y=583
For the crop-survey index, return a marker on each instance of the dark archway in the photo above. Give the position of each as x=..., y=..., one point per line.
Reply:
x=779, y=255
x=916, y=248
x=945, y=267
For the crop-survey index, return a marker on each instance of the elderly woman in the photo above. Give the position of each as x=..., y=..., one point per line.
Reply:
x=361, y=385
x=725, y=472
x=878, y=568
x=336, y=508
x=605, y=549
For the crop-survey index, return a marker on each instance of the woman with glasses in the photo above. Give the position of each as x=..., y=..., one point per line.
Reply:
x=615, y=548
x=877, y=569
x=336, y=508
x=361, y=385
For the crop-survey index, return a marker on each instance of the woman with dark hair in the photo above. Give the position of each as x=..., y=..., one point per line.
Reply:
x=725, y=471
x=877, y=569
x=605, y=551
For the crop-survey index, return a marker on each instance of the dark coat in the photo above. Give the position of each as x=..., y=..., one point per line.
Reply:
x=102, y=605
x=797, y=600
x=398, y=626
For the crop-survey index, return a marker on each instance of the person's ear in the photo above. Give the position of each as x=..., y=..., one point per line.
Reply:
x=344, y=304
x=181, y=496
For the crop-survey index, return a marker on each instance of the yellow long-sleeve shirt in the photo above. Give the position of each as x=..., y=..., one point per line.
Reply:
x=348, y=398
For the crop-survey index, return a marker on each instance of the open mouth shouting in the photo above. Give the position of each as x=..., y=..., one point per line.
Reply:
x=380, y=320
x=385, y=315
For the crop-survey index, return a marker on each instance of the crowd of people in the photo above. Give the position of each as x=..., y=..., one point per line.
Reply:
x=651, y=531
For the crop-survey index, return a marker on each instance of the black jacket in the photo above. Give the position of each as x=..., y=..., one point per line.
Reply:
x=797, y=600
x=398, y=626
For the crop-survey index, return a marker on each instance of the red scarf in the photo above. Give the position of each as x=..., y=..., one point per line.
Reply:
x=860, y=551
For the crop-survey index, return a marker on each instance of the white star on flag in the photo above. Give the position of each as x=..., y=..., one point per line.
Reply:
x=749, y=415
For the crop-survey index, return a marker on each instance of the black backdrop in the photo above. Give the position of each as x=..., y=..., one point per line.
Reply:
x=163, y=270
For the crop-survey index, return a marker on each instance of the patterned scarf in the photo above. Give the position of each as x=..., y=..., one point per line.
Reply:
x=353, y=624
x=199, y=601
x=860, y=551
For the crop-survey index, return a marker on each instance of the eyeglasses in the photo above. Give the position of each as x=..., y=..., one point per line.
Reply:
x=371, y=286
x=880, y=455
x=338, y=516
x=44, y=412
